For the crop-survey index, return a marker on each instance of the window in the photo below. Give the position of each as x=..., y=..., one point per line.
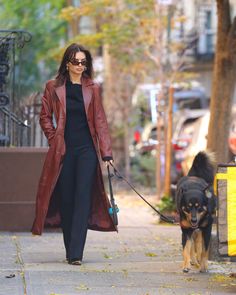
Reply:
x=208, y=20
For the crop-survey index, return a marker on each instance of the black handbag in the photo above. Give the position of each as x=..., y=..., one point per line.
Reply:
x=113, y=210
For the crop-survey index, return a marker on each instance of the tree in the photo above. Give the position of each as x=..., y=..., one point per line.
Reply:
x=121, y=30
x=133, y=34
x=223, y=82
x=40, y=19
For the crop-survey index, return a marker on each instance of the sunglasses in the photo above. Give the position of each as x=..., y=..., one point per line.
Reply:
x=76, y=62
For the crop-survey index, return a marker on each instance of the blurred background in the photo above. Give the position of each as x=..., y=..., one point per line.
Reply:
x=154, y=61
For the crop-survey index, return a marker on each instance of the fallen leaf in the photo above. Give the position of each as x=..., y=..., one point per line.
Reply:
x=169, y=286
x=82, y=287
x=107, y=256
x=150, y=254
x=190, y=279
x=106, y=270
x=220, y=278
x=125, y=272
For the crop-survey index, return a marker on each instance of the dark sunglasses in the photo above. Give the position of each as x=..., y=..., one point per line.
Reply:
x=76, y=62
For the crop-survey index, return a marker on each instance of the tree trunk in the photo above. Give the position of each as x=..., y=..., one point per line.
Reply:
x=107, y=85
x=126, y=146
x=223, y=83
x=159, y=151
x=73, y=29
x=168, y=158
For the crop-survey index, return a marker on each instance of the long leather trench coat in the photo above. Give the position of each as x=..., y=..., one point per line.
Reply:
x=47, y=202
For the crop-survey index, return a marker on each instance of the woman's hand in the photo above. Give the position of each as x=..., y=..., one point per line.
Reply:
x=108, y=162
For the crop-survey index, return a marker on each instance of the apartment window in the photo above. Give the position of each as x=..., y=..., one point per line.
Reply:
x=209, y=43
x=208, y=20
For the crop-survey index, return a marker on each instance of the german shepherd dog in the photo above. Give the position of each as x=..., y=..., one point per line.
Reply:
x=196, y=202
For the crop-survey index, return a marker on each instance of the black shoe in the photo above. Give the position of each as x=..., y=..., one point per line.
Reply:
x=75, y=261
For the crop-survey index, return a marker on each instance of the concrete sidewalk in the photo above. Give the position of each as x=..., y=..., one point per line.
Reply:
x=142, y=259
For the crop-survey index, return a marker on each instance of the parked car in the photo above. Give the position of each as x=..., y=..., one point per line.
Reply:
x=198, y=141
x=192, y=99
x=149, y=140
x=232, y=133
x=182, y=136
x=183, y=133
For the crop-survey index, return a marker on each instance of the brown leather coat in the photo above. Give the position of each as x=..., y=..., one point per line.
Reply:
x=54, y=103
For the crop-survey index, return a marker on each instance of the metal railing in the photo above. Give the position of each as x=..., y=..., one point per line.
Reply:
x=14, y=131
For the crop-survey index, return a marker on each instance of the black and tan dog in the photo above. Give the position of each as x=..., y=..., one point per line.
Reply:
x=195, y=202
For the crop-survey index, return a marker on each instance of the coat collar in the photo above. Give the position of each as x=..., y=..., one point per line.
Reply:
x=86, y=90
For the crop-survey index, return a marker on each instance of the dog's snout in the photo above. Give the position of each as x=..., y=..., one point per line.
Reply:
x=194, y=216
x=194, y=219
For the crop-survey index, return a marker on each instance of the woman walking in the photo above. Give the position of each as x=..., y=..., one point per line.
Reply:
x=71, y=190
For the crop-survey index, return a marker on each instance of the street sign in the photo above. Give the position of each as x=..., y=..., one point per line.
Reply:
x=165, y=2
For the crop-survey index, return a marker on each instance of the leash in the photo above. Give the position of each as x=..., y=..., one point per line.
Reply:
x=162, y=216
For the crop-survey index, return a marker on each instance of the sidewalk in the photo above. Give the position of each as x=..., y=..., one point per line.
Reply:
x=142, y=259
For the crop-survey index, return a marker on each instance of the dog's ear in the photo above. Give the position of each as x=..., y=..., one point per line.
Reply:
x=179, y=198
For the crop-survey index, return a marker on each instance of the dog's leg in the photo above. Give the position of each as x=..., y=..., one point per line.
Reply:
x=193, y=252
x=206, y=233
x=199, y=245
x=186, y=255
x=204, y=260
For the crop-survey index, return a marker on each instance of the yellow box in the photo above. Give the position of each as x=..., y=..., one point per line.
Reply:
x=225, y=185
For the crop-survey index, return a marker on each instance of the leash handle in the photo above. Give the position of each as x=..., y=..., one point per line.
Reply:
x=109, y=181
x=113, y=210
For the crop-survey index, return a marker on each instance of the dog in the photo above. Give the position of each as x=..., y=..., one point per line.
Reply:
x=196, y=203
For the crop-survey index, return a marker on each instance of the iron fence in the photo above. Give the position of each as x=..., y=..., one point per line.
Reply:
x=13, y=128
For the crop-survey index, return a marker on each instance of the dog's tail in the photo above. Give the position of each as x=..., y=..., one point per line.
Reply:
x=203, y=166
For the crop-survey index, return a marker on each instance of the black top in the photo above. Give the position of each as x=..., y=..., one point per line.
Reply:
x=76, y=130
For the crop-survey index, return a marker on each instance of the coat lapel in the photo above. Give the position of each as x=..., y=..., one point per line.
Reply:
x=61, y=94
x=87, y=92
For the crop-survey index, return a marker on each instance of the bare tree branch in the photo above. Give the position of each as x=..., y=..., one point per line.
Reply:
x=154, y=58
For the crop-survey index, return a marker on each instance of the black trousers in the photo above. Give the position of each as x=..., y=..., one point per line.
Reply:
x=75, y=187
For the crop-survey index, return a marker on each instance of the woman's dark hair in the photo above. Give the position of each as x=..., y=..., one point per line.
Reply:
x=69, y=54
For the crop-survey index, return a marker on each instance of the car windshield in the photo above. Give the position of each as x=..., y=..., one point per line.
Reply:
x=191, y=103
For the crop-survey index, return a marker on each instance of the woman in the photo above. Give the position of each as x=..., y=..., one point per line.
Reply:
x=71, y=190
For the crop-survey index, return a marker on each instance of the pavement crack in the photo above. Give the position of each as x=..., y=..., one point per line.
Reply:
x=20, y=261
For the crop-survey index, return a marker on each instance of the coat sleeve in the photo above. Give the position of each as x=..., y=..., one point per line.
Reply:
x=101, y=126
x=46, y=120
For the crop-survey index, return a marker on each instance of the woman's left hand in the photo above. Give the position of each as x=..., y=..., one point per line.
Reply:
x=108, y=162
